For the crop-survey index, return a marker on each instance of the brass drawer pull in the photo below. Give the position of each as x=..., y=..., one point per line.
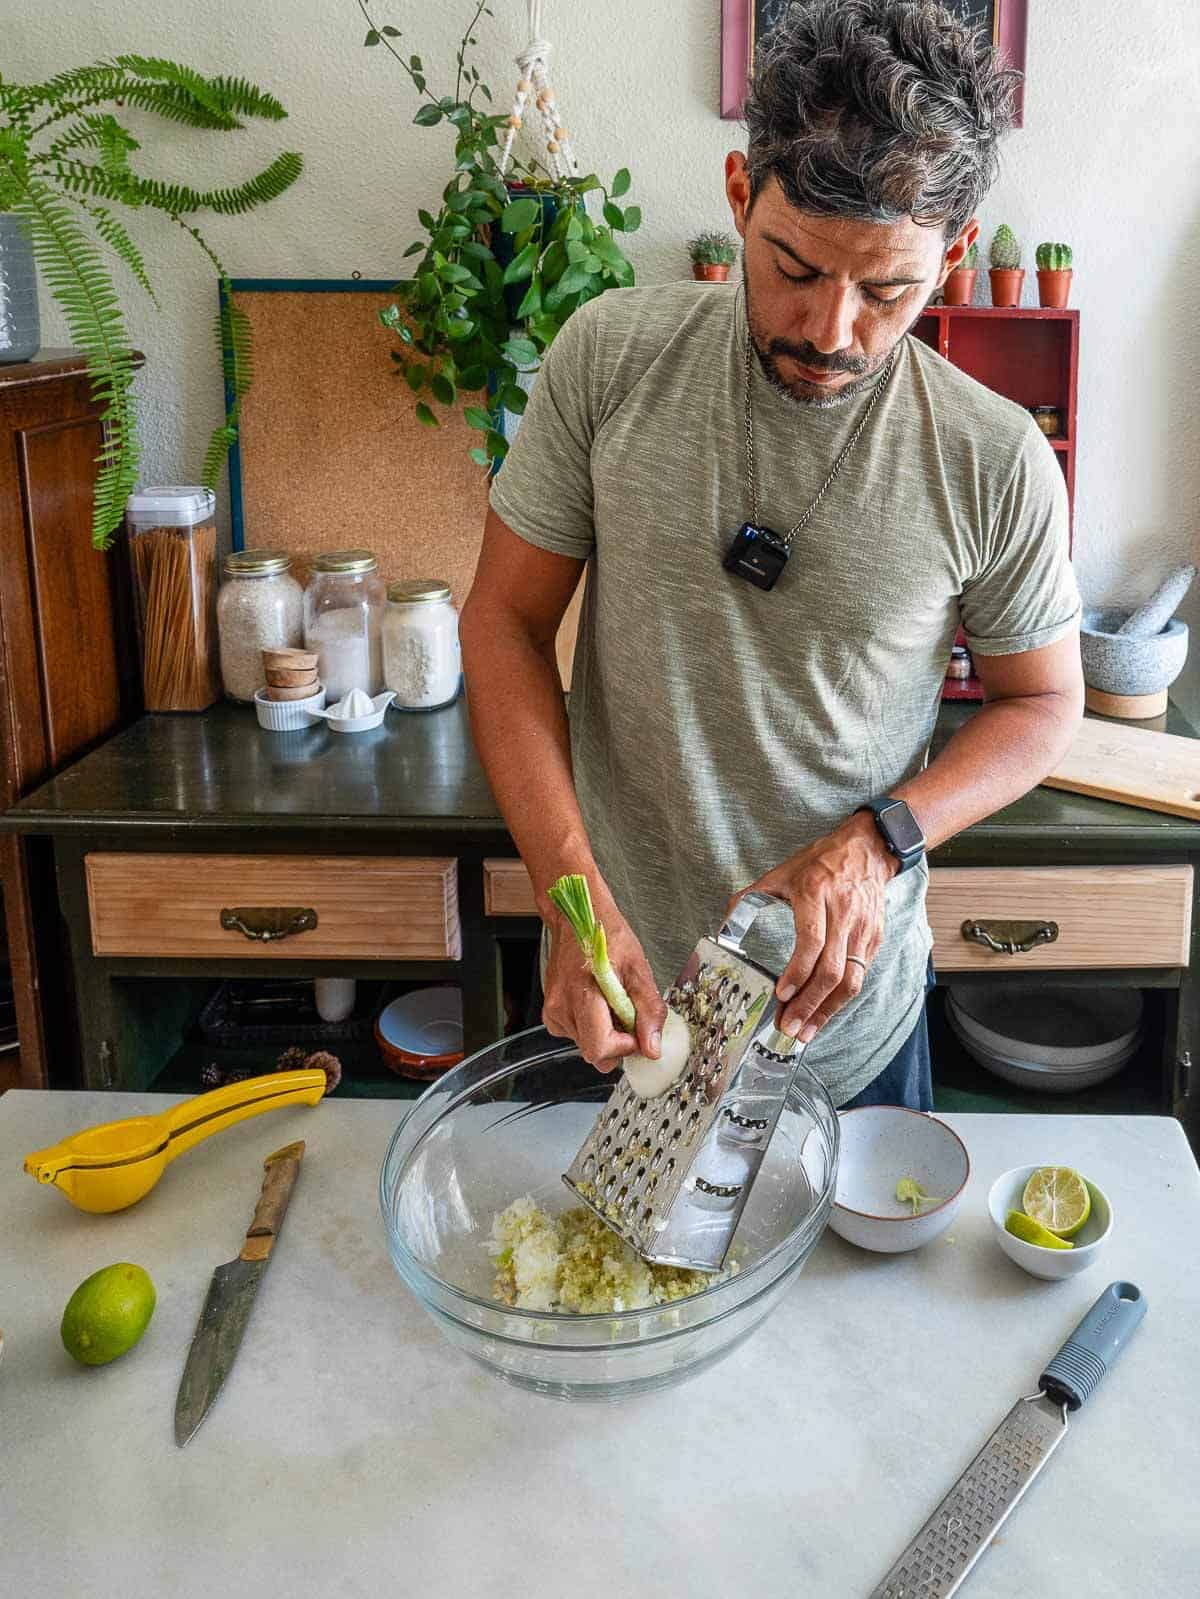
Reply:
x=265, y=922
x=1010, y=938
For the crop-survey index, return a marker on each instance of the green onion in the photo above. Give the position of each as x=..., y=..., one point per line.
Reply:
x=573, y=899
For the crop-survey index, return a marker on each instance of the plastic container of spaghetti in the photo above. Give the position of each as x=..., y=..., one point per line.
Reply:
x=172, y=537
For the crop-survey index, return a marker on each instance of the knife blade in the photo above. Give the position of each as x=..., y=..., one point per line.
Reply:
x=230, y=1297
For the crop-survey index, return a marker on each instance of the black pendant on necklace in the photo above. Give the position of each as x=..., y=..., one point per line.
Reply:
x=756, y=554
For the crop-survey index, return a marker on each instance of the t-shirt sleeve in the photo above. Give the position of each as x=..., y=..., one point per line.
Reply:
x=543, y=490
x=1024, y=595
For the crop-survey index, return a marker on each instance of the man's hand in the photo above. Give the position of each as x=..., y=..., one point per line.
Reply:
x=836, y=890
x=575, y=1008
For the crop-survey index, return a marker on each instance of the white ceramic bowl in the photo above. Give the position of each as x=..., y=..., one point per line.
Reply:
x=881, y=1144
x=1052, y=1264
x=286, y=716
x=1071, y=1029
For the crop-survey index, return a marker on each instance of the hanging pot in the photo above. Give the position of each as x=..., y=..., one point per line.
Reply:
x=1006, y=285
x=1054, y=289
x=710, y=271
x=502, y=243
x=959, y=287
x=20, y=329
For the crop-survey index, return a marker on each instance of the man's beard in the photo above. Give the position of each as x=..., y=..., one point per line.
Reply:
x=798, y=391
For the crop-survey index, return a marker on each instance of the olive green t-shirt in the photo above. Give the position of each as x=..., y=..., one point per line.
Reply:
x=717, y=728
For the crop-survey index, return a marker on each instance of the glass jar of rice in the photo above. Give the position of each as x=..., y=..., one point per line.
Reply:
x=260, y=607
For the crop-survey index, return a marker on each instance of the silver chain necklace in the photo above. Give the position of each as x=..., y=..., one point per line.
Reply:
x=757, y=553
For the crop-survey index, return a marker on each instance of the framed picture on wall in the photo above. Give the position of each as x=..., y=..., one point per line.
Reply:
x=745, y=23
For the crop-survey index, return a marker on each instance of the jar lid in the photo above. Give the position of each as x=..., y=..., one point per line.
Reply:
x=1044, y=410
x=344, y=561
x=172, y=504
x=957, y=651
x=416, y=590
x=256, y=563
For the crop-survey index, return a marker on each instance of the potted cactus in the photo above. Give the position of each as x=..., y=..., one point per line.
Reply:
x=712, y=255
x=959, y=287
x=1054, y=275
x=1007, y=274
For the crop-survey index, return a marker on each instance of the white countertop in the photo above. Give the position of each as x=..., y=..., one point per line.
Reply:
x=353, y=1452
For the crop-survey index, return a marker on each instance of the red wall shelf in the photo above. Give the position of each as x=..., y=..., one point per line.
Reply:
x=1029, y=356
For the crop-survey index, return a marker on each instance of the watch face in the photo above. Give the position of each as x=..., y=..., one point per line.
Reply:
x=901, y=827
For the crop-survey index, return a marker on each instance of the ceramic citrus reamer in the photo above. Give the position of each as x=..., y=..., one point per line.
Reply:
x=112, y=1166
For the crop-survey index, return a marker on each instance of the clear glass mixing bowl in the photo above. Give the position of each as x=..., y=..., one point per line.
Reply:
x=507, y=1122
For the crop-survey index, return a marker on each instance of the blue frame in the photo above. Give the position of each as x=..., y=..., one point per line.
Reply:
x=280, y=286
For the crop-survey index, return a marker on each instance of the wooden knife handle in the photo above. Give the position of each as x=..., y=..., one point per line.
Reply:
x=282, y=1168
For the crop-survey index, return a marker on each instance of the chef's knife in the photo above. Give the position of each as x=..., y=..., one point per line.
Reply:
x=968, y=1518
x=218, y=1334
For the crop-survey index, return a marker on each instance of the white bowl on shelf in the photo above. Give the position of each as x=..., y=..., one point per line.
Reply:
x=1056, y=1027
x=1053, y=1265
x=879, y=1145
x=286, y=716
x=1038, y=1075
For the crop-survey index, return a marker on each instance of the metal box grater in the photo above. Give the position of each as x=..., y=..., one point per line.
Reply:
x=671, y=1175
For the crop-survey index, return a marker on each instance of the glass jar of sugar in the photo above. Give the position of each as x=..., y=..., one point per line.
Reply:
x=260, y=607
x=343, y=614
x=422, y=664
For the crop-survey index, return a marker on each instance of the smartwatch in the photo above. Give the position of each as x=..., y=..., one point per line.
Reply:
x=898, y=828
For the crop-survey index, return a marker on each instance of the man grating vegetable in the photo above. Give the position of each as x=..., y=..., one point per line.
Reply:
x=786, y=506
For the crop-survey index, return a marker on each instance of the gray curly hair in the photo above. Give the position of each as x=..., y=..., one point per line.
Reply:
x=879, y=110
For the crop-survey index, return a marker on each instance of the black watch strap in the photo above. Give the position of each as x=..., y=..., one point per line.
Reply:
x=898, y=828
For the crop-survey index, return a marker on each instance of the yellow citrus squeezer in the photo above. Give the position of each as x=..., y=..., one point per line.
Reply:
x=112, y=1166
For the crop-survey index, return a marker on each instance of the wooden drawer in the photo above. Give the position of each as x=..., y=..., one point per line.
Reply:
x=507, y=890
x=368, y=907
x=1113, y=916
x=1107, y=916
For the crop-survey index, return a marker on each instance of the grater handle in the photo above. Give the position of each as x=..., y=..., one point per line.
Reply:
x=740, y=919
x=1075, y=1372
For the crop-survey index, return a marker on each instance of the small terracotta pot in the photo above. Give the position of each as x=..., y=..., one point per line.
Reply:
x=1006, y=285
x=1054, y=289
x=710, y=271
x=959, y=287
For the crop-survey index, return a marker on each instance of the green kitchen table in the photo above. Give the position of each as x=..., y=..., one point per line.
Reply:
x=181, y=841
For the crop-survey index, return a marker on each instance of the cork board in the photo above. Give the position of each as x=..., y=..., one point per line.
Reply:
x=331, y=455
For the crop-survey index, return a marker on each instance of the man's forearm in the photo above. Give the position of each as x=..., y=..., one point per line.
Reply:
x=519, y=724
x=1006, y=748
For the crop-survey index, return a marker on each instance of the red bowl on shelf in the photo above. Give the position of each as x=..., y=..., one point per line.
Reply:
x=420, y=1034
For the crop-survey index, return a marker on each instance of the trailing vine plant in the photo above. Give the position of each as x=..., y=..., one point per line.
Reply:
x=500, y=271
x=63, y=163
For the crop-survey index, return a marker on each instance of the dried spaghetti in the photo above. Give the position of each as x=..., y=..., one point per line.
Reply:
x=174, y=570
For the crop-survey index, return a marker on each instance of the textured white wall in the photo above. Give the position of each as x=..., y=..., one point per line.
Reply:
x=1108, y=160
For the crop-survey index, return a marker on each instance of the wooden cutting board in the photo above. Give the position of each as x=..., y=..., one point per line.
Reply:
x=1157, y=771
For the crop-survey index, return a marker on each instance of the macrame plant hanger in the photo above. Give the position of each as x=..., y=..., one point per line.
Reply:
x=535, y=80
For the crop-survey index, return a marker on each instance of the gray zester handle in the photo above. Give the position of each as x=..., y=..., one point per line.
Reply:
x=1075, y=1372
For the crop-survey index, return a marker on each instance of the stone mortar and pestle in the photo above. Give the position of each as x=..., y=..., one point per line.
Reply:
x=1130, y=658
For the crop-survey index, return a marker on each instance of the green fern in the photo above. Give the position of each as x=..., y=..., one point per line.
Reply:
x=88, y=161
x=74, y=273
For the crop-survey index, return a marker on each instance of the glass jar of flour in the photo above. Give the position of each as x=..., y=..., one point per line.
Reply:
x=343, y=615
x=260, y=607
x=422, y=664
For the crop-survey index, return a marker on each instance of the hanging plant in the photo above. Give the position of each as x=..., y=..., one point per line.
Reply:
x=51, y=173
x=499, y=229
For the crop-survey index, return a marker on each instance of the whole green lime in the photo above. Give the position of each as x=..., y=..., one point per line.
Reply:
x=108, y=1313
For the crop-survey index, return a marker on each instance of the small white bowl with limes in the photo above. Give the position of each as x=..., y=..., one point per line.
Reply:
x=1050, y=1220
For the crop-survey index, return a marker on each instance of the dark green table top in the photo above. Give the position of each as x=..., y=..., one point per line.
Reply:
x=219, y=772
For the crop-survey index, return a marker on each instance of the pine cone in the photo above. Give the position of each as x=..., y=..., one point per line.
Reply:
x=322, y=1060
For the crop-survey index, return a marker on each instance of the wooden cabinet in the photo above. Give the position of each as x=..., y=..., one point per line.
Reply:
x=66, y=671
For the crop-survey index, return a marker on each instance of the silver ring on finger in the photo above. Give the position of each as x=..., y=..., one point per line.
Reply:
x=856, y=960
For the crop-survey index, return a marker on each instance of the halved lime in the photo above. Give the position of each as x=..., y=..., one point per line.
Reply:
x=1058, y=1198
x=1022, y=1226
